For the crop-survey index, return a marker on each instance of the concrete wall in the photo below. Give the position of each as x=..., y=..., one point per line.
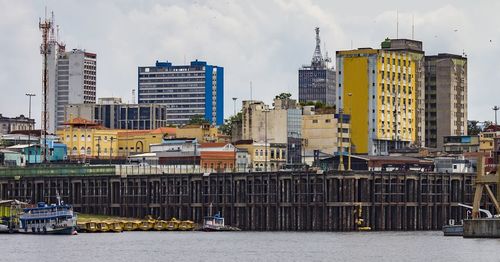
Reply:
x=482, y=228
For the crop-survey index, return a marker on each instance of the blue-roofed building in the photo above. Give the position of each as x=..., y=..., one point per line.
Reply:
x=186, y=90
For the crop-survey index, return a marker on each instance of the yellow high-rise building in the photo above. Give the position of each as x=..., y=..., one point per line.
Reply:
x=377, y=88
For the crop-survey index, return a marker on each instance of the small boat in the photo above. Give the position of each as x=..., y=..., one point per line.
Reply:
x=452, y=229
x=115, y=226
x=102, y=227
x=160, y=225
x=48, y=219
x=146, y=225
x=186, y=225
x=131, y=225
x=213, y=223
x=173, y=224
x=91, y=226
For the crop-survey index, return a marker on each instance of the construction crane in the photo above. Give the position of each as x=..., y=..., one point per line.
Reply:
x=483, y=182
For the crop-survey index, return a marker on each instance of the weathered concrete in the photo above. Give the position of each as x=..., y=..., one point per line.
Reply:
x=306, y=201
x=482, y=228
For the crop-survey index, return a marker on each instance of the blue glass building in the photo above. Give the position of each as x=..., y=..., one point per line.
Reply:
x=186, y=90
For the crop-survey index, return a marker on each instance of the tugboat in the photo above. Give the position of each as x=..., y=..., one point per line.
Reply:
x=48, y=219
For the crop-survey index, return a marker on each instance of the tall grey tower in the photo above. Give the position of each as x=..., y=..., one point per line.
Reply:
x=317, y=81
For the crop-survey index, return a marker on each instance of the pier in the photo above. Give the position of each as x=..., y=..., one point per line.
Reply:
x=302, y=201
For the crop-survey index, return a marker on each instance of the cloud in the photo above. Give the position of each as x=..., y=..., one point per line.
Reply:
x=260, y=41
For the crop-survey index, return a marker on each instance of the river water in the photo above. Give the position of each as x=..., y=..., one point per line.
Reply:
x=248, y=246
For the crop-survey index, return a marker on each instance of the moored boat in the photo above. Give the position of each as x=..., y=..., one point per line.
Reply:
x=146, y=225
x=173, y=224
x=114, y=226
x=48, y=219
x=213, y=223
x=186, y=225
x=160, y=225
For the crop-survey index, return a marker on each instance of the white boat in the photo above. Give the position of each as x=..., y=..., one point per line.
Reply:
x=48, y=219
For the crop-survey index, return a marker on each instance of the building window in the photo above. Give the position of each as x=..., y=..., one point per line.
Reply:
x=328, y=120
x=315, y=121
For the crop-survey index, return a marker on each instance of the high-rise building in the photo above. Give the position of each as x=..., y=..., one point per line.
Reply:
x=71, y=80
x=446, y=98
x=110, y=112
x=187, y=90
x=414, y=49
x=317, y=81
x=377, y=88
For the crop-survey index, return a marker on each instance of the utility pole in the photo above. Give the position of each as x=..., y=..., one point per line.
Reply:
x=496, y=108
x=29, y=124
x=111, y=150
x=341, y=155
x=265, y=138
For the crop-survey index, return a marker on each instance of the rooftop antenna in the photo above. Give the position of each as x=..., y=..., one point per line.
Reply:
x=397, y=24
x=413, y=27
x=45, y=26
x=317, y=59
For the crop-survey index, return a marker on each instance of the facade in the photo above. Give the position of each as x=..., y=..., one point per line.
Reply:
x=280, y=125
x=317, y=81
x=89, y=140
x=262, y=156
x=33, y=153
x=186, y=90
x=219, y=157
x=177, y=151
x=446, y=98
x=71, y=80
x=112, y=113
x=10, y=124
x=460, y=144
x=377, y=89
x=324, y=132
x=414, y=49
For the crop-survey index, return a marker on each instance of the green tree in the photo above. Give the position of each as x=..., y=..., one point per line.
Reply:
x=198, y=120
x=283, y=96
x=227, y=127
x=473, y=128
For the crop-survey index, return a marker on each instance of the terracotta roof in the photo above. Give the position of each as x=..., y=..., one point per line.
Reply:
x=80, y=121
x=165, y=130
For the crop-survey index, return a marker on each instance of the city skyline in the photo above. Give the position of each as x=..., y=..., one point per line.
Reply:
x=244, y=38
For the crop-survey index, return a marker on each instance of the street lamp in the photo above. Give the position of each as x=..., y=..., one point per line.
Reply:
x=234, y=106
x=350, y=121
x=29, y=95
x=496, y=108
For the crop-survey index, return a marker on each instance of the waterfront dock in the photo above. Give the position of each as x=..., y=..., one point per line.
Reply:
x=303, y=201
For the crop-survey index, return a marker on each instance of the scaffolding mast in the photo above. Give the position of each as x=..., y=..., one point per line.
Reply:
x=45, y=26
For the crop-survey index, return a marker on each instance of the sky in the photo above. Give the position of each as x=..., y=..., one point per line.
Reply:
x=260, y=41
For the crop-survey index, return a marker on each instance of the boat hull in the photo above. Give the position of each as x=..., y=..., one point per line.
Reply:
x=455, y=230
x=58, y=231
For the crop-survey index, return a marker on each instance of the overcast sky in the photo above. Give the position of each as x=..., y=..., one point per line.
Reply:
x=260, y=41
